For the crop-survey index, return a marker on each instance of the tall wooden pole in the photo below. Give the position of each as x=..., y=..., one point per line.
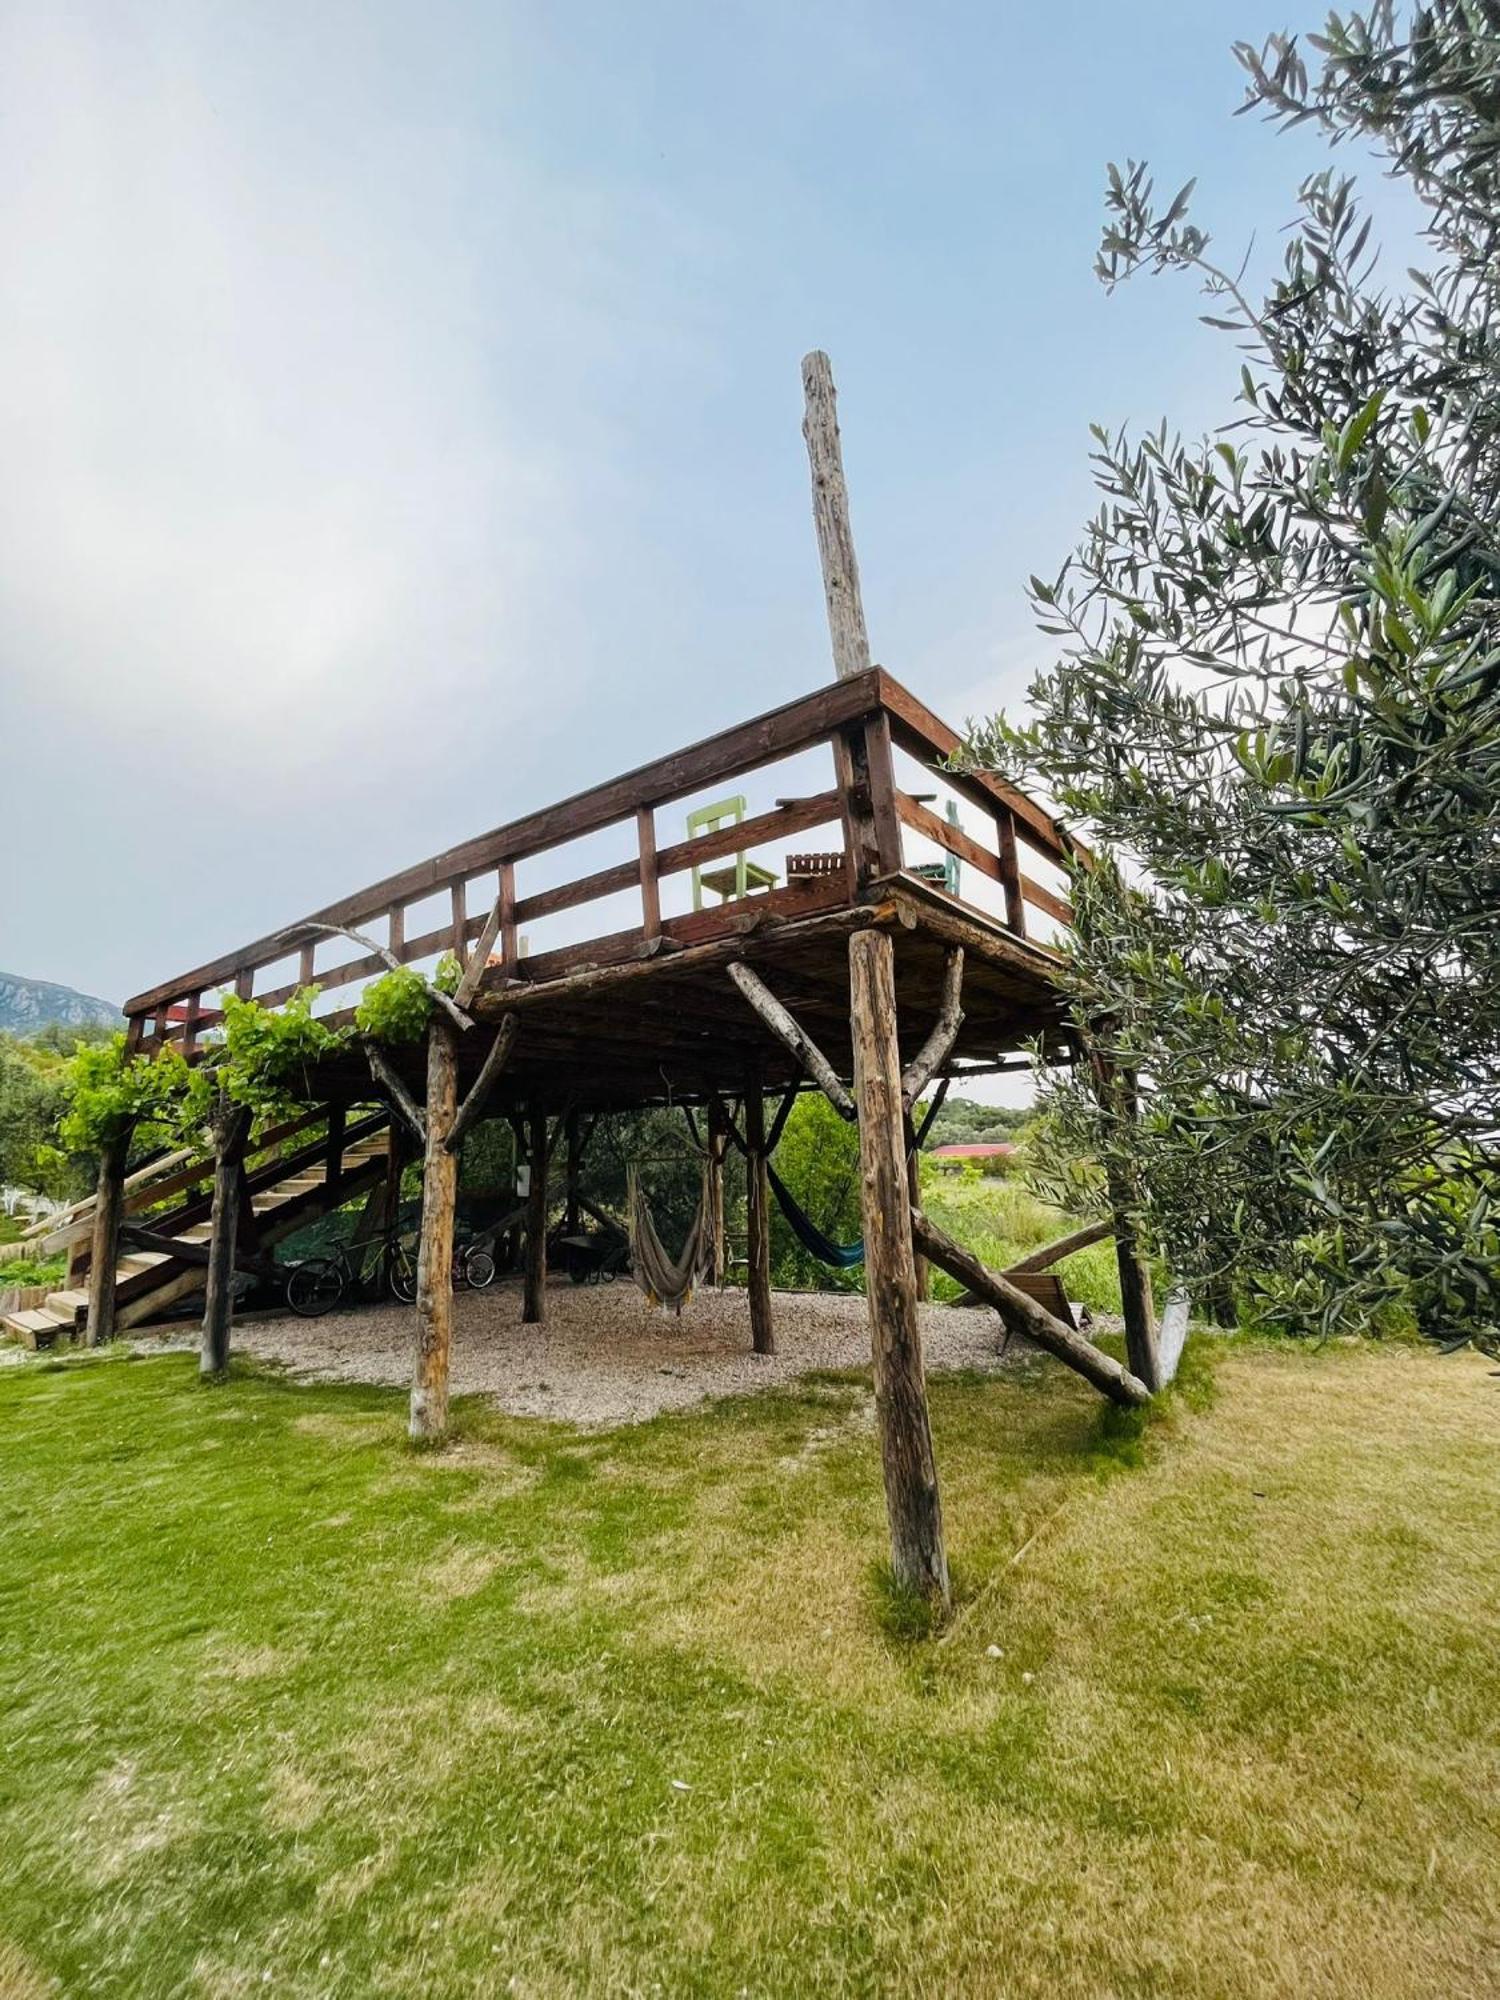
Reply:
x=109, y=1207
x=429, y=1386
x=758, y=1220
x=230, y=1128
x=913, y=1506
x=820, y=427
x=534, y=1307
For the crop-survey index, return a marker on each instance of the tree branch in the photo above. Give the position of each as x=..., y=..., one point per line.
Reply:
x=400, y=1097
x=484, y=1083
x=786, y=1030
x=944, y=1031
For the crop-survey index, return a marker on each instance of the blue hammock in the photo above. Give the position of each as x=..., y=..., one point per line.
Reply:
x=841, y=1256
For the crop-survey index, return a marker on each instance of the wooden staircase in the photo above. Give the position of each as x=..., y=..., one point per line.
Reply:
x=286, y=1191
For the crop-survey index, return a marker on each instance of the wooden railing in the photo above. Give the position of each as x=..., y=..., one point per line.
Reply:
x=863, y=720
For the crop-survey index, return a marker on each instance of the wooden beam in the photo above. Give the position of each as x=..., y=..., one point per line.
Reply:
x=429, y=1387
x=400, y=1097
x=645, y=828
x=489, y=1074
x=913, y=1507
x=934, y=1051
x=943, y=833
x=735, y=752
x=830, y=496
x=1023, y=1315
x=1064, y=1246
x=468, y=986
x=1010, y=870
x=787, y=1031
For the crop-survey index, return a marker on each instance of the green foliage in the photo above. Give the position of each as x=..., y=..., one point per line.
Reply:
x=395, y=1008
x=110, y=1091
x=447, y=973
x=818, y=1159
x=1278, y=707
x=963, y=1122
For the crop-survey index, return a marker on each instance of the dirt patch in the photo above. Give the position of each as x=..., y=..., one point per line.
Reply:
x=605, y=1356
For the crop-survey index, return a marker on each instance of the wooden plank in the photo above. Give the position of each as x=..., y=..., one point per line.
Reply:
x=882, y=773
x=851, y=765
x=917, y=730
x=731, y=753
x=1010, y=870
x=1043, y=899
x=830, y=495
x=921, y=819
x=458, y=928
x=509, y=946
x=645, y=829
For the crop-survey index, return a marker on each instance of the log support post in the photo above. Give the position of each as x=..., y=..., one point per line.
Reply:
x=758, y=1219
x=104, y=1249
x=574, y=1131
x=337, y=1119
x=914, y=1509
x=718, y=1142
x=229, y=1130
x=534, y=1308
x=429, y=1389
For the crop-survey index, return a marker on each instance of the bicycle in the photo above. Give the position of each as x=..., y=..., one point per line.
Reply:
x=473, y=1268
x=318, y=1284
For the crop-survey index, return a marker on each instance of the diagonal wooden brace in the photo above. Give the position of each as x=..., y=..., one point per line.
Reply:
x=484, y=1083
x=786, y=1029
x=918, y=1072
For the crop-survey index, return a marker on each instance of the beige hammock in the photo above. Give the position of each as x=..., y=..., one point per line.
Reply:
x=664, y=1282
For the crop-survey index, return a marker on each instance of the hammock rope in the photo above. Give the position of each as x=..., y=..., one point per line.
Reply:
x=665, y=1282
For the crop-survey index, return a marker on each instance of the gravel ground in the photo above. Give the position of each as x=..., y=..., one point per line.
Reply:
x=604, y=1357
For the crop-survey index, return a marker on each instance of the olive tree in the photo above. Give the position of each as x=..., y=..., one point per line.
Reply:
x=1277, y=708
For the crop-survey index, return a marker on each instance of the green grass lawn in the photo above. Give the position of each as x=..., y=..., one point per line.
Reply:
x=289, y=1708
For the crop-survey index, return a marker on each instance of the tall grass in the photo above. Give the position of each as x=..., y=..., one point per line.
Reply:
x=1001, y=1221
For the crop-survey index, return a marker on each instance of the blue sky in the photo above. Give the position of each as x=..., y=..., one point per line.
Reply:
x=402, y=403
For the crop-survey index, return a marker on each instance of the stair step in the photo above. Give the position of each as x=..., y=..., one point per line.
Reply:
x=138, y=1261
x=68, y=1302
x=36, y=1327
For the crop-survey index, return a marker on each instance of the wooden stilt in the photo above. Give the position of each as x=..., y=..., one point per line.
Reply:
x=429, y=1388
x=758, y=1221
x=104, y=1252
x=229, y=1130
x=337, y=1119
x=913, y=1506
x=534, y=1308
x=718, y=1142
x=574, y=1167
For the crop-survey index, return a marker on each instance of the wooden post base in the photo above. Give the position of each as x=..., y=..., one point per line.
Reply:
x=534, y=1306
x=429, y=1387
x=758, y=1221
x=104, y=1253
x=913, y=1506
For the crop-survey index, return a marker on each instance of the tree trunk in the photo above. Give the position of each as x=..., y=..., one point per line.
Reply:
x=429, y=1388
x=229, y=1130
x=1115, y=1090
x=104, y=1255
x=758, y=1221
x=913, y=1504
x=534, y=1308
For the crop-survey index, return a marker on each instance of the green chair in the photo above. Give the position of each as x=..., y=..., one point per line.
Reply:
x=731, y=884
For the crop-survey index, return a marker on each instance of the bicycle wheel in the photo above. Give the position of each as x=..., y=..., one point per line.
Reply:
x=479, y=1269
x=314, y=1287
x=404, y=1274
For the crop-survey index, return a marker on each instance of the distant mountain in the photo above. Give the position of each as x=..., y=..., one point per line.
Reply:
x=29, y=1004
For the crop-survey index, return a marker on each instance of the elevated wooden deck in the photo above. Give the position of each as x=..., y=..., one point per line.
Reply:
x=621, y=1014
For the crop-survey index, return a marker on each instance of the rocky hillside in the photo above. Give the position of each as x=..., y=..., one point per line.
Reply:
x=29, y=1004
